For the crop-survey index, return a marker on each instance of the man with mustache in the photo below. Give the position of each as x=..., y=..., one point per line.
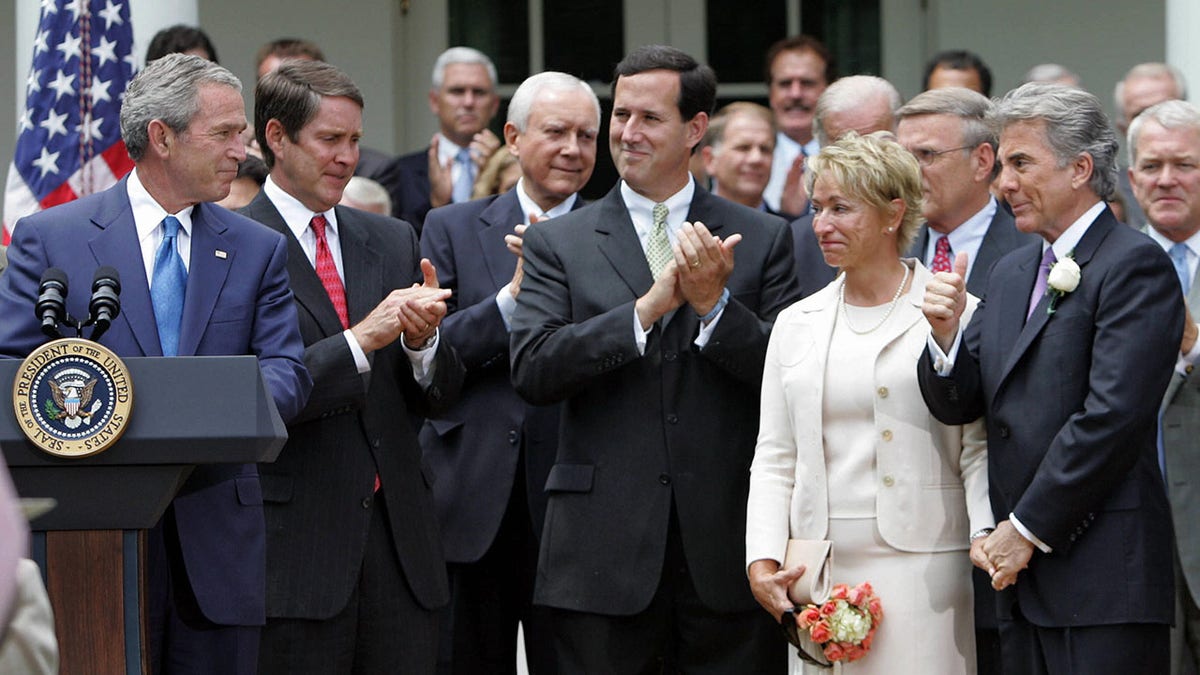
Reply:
x=798, y=70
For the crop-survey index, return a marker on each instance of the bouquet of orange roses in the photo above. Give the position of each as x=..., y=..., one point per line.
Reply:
x=842, y=628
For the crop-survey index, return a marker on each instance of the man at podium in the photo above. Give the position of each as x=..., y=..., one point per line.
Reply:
x=197, y=280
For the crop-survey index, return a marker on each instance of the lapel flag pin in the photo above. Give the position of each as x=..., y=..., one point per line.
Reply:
x=221, y=254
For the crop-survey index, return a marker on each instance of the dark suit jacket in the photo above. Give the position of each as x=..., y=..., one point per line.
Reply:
x=813, y=271
x=316, y=492
x=1071, y=402
x=1002, y=236
x=407, y=181
x=239, y=303
x=642, y=435
x=474, y=446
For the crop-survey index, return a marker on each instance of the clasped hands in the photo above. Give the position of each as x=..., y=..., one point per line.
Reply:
x=414, y=313
x=1002, y=554
x=696, y=276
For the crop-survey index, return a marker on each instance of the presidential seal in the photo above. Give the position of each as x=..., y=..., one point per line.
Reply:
x=72, y=397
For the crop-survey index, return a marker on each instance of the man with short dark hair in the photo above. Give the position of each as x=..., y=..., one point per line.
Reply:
x=355, y=574
x=197, y=280
x=798, y=70
x=275, y=52
x=957, y=68
x=1068, y=358
x=737, y=154
x=633, y=315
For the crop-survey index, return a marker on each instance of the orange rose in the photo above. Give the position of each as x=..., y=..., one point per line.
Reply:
x=841, y=591
x=834, y=652
x=875, y=607
x=828, y=608
x=854, y=653
x=808, y=617
x=857, y=595
x=866, y=643
x=819, y=633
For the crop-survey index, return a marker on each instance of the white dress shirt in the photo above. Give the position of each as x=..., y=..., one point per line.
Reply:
x=966, y=238
x=147, y=218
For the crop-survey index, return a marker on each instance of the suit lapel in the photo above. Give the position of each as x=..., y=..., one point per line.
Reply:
x=206, y=275
x=619, y=243
x=498, y=219
x=704, y=206
x=117, y=245
x=361, y=266
x=917, y=250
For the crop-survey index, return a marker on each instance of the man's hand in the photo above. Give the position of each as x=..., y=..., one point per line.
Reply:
x=704, y=264
x=423, y=309
x=483, y=145
x=945, y=300
x=978, y=557
x=662, y=297
x=441, y=181
x=794, y=199
x=1190, y=331
x=1006, y=553
x=515, y=243
x=770, y=585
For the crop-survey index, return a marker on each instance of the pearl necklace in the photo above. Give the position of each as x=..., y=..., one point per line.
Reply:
x=891, y=306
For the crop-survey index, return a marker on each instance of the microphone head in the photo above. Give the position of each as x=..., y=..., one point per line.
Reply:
x=53, y=274
x=107, y=276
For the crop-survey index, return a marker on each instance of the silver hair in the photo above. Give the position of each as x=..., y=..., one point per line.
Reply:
x=1171, y=114
x=168, y=89
x=1152, y=70
x=534, y=86
x=465, y=55
x=851, y=92
x=362, y=190
x=1050, y=72
x=1075, y=123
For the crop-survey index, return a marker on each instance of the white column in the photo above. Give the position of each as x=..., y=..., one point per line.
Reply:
x=1183, y=50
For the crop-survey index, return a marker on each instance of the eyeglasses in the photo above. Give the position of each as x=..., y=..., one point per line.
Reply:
x=925, y=156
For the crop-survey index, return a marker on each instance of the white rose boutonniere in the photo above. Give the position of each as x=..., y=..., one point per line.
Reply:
x=1064, y=278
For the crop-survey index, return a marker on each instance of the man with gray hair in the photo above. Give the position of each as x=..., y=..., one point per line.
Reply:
x=493, y=449
x=463, y=97
x=197, y=281
x=859, y=103
x=1143, y=86
x=1164, y=156
x=1068, y=359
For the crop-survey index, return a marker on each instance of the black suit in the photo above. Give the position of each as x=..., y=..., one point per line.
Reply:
x=1071, y=401
x=486, y=449
x=328, y=534
x=1002, y=236
x=648, y=493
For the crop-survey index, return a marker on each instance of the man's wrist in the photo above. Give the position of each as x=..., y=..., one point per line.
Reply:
x=716, y=308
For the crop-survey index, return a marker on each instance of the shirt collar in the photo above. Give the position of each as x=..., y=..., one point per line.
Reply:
x=147, y=214
x=973, y=230
x=447, y=149
x=1192, y=242
x=296, y=215
x=529, y=206
x=641, y=209
x=1067, y=241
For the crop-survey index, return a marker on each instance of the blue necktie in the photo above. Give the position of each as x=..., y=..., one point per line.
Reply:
x=1179, y=257
x=167, y=288
x=466, y=176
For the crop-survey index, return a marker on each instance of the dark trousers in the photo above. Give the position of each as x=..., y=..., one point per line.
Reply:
x=987, y=635
x=1122, y=649
x=489, y=597
x=182, y=640
x=382, y=629
x=677, y=633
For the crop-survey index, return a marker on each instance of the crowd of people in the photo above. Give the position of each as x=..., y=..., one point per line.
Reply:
x=919, y=330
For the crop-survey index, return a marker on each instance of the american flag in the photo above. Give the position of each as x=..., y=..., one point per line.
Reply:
x=69, y=134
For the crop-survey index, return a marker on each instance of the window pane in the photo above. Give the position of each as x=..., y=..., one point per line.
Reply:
x=585, y=38
x=850, y=28
x=498, y=28
x=739, y=34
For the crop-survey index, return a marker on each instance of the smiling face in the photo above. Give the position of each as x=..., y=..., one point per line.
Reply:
x=1166, y=178
x=852, y=232
x=202, y=160
x=649, y=139
x=557, y=150
x=316, y=167
x=740, y=164
x=1045, y=197
x=465, y=103
x=797, y=80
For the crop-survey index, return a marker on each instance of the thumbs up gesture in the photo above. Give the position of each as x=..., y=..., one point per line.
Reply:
x=945, y=300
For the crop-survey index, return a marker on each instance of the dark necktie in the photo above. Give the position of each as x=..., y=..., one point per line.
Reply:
x=167, y=287
x=327, y=271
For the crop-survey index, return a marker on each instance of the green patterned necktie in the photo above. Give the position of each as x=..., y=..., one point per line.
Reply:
x=658, y=247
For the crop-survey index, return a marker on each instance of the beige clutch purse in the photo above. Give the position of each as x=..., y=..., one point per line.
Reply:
x=814, y=586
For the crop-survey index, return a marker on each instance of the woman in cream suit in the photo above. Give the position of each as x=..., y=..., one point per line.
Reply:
x=847, y=450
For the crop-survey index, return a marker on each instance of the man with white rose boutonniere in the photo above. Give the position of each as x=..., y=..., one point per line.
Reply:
x=1067, y=357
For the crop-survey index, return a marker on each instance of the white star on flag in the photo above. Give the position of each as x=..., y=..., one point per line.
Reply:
x=70, y=47
x=93, y=129
x=111, y=14
x=105, y=51
x=54, y=124
x=62, y=85
x=100, y=91
x=39, y=42
x=48, y=162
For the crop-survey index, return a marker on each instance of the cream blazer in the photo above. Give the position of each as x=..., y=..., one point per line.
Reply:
x=932, y=488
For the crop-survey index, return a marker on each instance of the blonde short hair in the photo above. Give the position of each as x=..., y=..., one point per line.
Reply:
x=876, y=169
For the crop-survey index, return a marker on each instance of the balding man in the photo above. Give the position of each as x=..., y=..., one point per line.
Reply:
x=859, y=103
x=1143, y=86
x=958, y=68
x=492, y=451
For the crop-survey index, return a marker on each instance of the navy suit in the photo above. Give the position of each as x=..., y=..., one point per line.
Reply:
x=489, y=447
x=1071, y=402
x=235, y=303
x=407, y=181
x=1002, y=236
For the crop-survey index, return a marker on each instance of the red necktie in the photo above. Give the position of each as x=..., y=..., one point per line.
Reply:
x=941, y=255
x=327, y=271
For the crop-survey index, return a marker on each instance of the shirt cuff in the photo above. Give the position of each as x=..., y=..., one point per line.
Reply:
x=507, y=305
x=422, y=359
x=943, y=363
x=706, y=330
x=1185, y=361
x=1012, y=517
x=360, y=357
x=639, y=335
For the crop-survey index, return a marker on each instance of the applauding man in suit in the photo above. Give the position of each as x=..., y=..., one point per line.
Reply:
x=492, y=444
x=1068, y=359
x=634, y=315
x=354, y=564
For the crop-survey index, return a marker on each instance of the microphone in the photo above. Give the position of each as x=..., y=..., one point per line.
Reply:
x=51, y=305
x=106, y=301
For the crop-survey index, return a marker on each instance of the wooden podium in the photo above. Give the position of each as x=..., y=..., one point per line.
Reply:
x=186, y=411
